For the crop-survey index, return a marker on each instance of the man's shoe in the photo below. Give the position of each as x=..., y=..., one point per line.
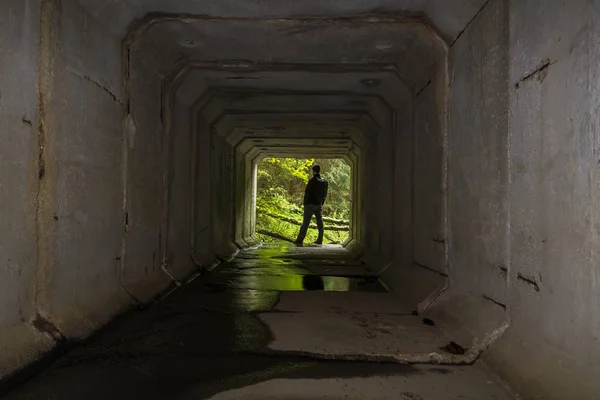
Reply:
x=299, y=244
x=318, y=243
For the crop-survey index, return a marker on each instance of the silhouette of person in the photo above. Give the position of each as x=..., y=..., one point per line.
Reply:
x=314, y=198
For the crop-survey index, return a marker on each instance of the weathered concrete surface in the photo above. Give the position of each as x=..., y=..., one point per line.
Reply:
x=203, y=340
x=340, y=335
x=403, y=233
x=555, y=290
x=78, y=279
x=472, y=321
x=478, y=147
x=202, y=238
x=523, y=146
x=183, y=175
x=20, y=342
x=145, y=185
x=450, y=18
x=420, y=383
x=290, y=41
x=428, y=182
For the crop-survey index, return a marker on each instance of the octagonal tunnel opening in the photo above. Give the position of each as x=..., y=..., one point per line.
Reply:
x=280, y=189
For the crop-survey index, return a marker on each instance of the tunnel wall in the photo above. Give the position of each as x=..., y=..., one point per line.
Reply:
x=478, y=148
x=69, y=163
x=20, y=342
x=146, y=156
x=381, y=195
x=383, y=208
x=222, y=196
x=78, y=268
x=554, y=199
x=524, y=188
x=203, y=239
x=410, y=282
x=428, y=177
x=419, y=265
x=402, y=187
x=182, y=169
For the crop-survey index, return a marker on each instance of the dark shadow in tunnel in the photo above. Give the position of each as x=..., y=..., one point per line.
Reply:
x=196, y=343
x=313, y=282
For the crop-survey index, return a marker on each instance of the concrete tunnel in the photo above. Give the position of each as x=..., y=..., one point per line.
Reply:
x=132, y=131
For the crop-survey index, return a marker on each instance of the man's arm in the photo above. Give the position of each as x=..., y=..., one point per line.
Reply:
x=308, y=190
x=326, y=192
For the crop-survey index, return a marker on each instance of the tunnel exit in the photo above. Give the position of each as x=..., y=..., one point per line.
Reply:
x=281, y=184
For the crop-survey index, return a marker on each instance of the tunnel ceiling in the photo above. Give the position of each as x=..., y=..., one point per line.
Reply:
x=242, y=89
x=448, y=16
x=408, y=45
x=404, y=35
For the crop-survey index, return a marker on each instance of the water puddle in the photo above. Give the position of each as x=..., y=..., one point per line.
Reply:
x=293, y=282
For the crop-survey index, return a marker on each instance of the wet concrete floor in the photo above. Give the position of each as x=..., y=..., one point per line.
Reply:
x=204, y=341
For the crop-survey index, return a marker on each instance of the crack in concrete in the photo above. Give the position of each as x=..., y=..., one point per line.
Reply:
x=423, y=88
x=496, y=302
x=470, y=23
x=530, y=281
x=97, y=84
x=539, y=72
x=430, y=269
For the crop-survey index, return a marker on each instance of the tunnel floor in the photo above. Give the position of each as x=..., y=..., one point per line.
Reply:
x=274, y=323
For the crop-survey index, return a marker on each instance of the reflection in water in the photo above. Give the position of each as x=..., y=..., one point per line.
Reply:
x=337, y=284
x=297, y=282
x=282, y=268
x=313, y=282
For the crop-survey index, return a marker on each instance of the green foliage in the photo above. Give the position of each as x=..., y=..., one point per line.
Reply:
x=280, y=192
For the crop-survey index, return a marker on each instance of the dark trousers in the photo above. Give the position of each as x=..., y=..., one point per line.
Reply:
x=309, y=211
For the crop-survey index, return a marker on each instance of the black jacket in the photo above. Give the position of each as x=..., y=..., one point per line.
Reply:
x=316, y=191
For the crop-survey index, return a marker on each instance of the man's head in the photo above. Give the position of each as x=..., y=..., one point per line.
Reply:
x=316, y=169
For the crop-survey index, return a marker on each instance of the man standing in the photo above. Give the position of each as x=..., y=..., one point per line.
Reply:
x=314, y=198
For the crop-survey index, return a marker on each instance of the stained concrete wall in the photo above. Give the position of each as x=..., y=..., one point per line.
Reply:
x=182, y=172
x=78, y=279
x=203, y=239
x=478, y=151
x=554, y=199
x=419, y=265
x=20, y=341
x=402, y=187
x=380, y=193
x=222, y=196
x=145, y=188
x=65, y=240
x=523, y=199
x=428, y=178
